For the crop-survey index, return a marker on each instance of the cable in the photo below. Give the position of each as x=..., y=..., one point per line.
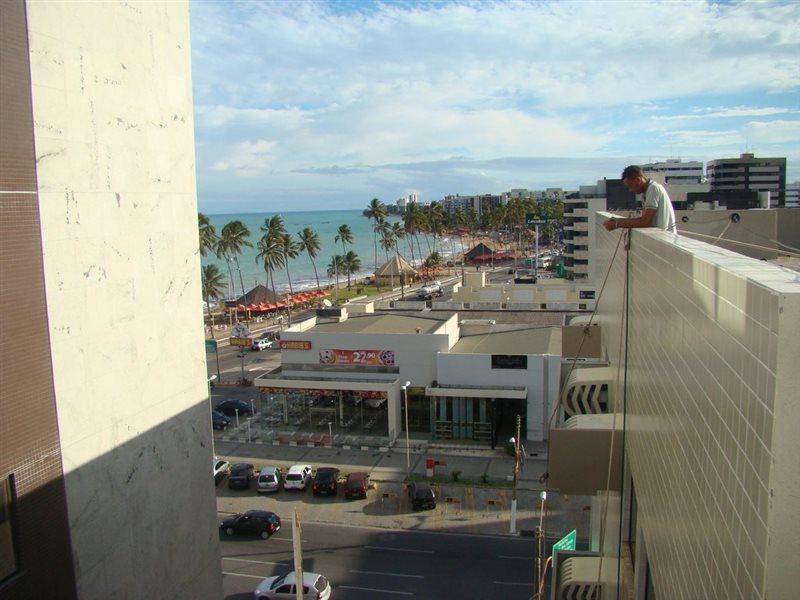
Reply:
x=755, y=233
x=729, y=241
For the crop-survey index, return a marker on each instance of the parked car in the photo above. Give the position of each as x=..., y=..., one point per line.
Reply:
x=297, y=477
x=221, y=469
x=241, y=474
x=326, y=481
x=218, y=420
x=252, y=522
x=356, y=485
x=261, y=344
x=421, y=496
x=269, y=480
x=315, y=586
x=230, y=405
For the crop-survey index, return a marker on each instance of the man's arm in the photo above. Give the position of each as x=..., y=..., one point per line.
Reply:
x=643, y=220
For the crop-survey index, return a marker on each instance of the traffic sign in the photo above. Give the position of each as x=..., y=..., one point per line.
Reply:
x=567, y=542
x=530, y=219
x=211, y=345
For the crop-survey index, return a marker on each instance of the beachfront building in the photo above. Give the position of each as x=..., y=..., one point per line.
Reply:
x=394, y=270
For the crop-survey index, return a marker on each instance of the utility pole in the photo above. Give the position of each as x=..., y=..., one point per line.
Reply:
x=536, y=264
x=297, y=547
x=538, y=575
x=517, y=459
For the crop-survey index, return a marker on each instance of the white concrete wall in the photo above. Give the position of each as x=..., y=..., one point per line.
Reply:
x=712, y=411
x=541, y=378
x=112, y=105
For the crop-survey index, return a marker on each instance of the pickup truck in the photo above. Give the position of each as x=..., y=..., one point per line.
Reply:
x=430, y=290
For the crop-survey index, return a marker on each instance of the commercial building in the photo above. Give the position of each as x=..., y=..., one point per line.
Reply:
x=105, y=465
x=793, y=195
x=691, y=456
x=675, y=171
x=750, y=173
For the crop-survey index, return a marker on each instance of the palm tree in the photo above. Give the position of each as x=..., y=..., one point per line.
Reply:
x=309, y=243
x=375, y=211
x=208, y=235
x=290, y=250
x=387, y=243
x=352, y=264
x=271, y=255
x=213, y=288
x=345, y=236
x=335, y=267
x=231, y=241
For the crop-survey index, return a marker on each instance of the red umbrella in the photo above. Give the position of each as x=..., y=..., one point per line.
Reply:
x=262, y=306
x=241, y=307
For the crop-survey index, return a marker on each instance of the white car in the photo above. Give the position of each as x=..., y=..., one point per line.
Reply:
x=261, y=344
x=297, y=477
x=221, y=469
x=269, y=480
x=315, y=586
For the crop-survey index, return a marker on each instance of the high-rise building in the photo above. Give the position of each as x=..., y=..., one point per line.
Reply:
x=675, y=171
x=750, y=173
x=105, y=454
x=793, y=195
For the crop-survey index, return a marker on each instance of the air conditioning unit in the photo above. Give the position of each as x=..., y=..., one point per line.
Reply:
x=578, y=577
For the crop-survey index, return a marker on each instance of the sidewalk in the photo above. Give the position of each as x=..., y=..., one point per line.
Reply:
x=460, y=508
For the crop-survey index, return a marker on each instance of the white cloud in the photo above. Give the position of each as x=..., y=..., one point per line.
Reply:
x=730, y=112
x=247, y=159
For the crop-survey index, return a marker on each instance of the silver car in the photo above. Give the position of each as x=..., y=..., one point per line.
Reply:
x=315, y=586
x=269, y=480
x=297, y=478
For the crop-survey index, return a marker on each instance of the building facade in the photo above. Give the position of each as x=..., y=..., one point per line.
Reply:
x=749, y=172
x=793, y=195
x=104, y=436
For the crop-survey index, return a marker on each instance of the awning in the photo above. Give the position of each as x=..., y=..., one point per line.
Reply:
x=475, y=392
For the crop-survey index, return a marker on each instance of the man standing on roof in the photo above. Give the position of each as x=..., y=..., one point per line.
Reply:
x=657, y=211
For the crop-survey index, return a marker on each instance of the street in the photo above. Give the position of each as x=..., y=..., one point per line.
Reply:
x=364, y=563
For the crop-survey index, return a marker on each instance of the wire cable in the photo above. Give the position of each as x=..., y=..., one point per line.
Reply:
x=729, y=241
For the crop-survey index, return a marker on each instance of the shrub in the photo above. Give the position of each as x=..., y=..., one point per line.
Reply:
x=456, y=475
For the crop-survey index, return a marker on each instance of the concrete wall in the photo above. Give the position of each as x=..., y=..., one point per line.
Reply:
x=555, y=296
x=541, y=378
x=712, y=413
x=112, y=107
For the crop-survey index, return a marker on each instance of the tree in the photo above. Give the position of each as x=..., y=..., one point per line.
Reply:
x=375, y=211
x=352, y=265
x=336, y=267
x=213, y=283
x=208, y=234
x=233, y=237
x=271, y=256
x=399, y=232
x=345, y=236
x=290, y=250
x=310, y=244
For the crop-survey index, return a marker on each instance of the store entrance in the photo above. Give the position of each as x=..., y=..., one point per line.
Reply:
x=505, y=419
x=463, y=419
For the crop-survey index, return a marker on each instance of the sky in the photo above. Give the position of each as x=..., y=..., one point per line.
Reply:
x=325, y=105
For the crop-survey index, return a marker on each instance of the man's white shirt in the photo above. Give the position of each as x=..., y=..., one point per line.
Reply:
x=656, y=197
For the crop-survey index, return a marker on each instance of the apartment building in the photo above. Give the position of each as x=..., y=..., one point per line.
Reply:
x=793, y=195
x=674, y=170
x=690, y=454
x=105, y=461
x=750, y=173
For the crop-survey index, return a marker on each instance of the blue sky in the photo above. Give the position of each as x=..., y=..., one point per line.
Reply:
x=324, y=105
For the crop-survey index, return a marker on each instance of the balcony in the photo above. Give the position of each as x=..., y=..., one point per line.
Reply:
x=580, y=226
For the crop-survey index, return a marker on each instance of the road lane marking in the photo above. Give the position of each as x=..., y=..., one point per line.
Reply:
x=398, y=549
x=389, y=574
x=277, y=539
x=363, y=589
x=245, y=575
x=526, y=584
x=258, y=562
x=516, y=557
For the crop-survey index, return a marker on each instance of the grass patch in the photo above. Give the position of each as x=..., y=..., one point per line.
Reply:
x=483, y=482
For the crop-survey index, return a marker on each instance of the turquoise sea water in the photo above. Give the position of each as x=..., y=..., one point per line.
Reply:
x=326, y=224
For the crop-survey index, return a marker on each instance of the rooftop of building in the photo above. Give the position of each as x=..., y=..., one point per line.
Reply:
x=383, y=323
x=540, y=340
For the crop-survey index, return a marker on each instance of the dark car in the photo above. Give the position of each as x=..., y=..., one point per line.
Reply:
x=253, y=522
x=241, y=474
x=421, y=496
x=325, y=481
x=230, y=406
x=219, y=421
x=356, y=485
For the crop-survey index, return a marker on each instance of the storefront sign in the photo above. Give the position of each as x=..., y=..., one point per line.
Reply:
x=295, y=345
x=244, y=342
x=356, y=357
x=509, y=361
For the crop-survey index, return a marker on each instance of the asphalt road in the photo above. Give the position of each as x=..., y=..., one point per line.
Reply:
x=365, y=563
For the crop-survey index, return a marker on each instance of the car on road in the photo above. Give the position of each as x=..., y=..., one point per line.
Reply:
x=261, y=344
x=356, y=485
x=269, y=480
x=297, y=477
x=221, y=469
x=421, y=496
x=253, y=522
x=430, y=290
x=325, y=481
x=315, y=586
x=241, y=474
x=229, y=406
x=219, y=421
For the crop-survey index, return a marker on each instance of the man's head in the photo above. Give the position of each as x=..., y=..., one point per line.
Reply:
x=634, y=179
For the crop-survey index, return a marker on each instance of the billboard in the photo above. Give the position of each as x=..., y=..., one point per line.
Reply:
x=356, y=357
x=295, y=345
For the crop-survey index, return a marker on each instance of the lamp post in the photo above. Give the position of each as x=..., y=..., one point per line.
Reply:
x=518, y=453
x=404, y=387
x=538, y=575
x=210, y=414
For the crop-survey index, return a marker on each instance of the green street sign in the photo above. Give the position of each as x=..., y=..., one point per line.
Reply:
x=530, y=219
x=211, y=345
x=567, y=542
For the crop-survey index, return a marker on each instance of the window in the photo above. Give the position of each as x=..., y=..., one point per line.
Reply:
x=8, y=557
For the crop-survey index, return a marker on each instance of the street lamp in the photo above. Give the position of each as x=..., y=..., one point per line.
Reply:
x=210, y=414
x=519, y=454
x=404, y=387
x=540, y=535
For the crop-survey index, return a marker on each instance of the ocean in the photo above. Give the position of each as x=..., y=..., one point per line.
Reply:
x=326, y=224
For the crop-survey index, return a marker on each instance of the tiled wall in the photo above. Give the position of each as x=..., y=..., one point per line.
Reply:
x=712, y=335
